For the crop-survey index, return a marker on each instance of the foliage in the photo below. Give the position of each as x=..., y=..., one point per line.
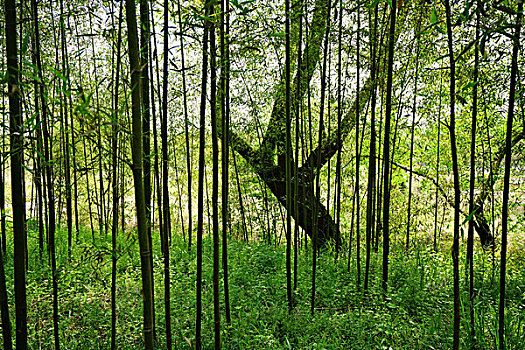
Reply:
x=416, y=314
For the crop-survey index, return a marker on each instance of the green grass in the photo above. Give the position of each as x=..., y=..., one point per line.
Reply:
x=416, y=314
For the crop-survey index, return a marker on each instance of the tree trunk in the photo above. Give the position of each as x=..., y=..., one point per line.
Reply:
x=17, y=174
x=137, y=155
x=506, y=179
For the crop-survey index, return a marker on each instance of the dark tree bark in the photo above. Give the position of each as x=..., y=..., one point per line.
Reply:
x=288, y=156
x=470, y=238
x=317, y=202
x=165, y=177
x=455, y=170
x=357, y=158
x=16, y=132
x=2, y=191
x=145, y=95
x=386, y=148
x=186, y=128
x=225, y=126
x=4, y=308
x=48, y=156
x=506, y=178
x=114, y=183
x=215, y=180
x=370, y=196
x=65, y=124
x=200, y=193
x=412, y=131
x=37, y=156
x=137, y=155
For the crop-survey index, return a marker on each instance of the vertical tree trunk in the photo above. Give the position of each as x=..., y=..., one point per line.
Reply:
x=506, y=179
x=137, y=155
x=215, y=181
x=17, y=181
x=357, y=156
x=186, y=128
x=114, y=184
x=144, y=75
x=65, y=125
x=386, y=148
x=165, y=185
x=200, y=193
x=299, y=5
x=225, y=126
x=412, y=130
x=2, y=189
x=455, y=169
x=4, y=308
x=288, y=155
x=472, y=180
x=317, y=203
x=370, y=196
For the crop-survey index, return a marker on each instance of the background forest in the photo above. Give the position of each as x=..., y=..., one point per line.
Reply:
x=300, y=174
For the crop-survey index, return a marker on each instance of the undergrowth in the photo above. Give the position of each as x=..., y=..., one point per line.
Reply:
x=416, y=313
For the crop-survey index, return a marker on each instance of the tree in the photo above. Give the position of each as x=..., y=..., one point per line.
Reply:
x=386, y=147
x=165, y=176
x=114, y=185
x=262, y=160
x=4, y=308
x=455, y=172
x=506, y=179
x=200, y=193
x=137, y=168
x=16, y=131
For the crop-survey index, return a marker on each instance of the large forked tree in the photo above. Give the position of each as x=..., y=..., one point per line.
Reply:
x=273, y=172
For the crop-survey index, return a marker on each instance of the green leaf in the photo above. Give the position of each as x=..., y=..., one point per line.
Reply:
x=390, y=3
x=433, y=16
x=468, y=218
x=25, y=45
x=469, y=85
x=374, y=4
x=58, y=74
x=280, y=35
x=441, y=30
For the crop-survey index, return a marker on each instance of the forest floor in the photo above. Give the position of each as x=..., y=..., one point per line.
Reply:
x=416, y=314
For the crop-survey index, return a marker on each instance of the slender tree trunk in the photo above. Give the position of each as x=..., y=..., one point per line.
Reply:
x=318, y=167
x=2, y=189
x=215, y=179
x=137, y=155
x=17, y=181
x=144, y=79
x=37, y=157
x=357, y=157
x=506, y=179
x=165, y=178
x=4, y=308
x=186, y=126
x=370, y=196
x=470, y=238
x=386, y=148
x=114, y=184
x=288, y=155
x=225, y=126
x=200, y=194
x=437, y=171
x=298, y=115
x=412, y=131
x=67, y=167
x=455, y=169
